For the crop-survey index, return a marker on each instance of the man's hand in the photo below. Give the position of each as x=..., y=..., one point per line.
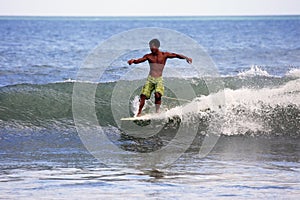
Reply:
x=189, y=60
x=130, y=61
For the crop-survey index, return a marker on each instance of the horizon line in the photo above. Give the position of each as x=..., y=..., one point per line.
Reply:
x=217, y=15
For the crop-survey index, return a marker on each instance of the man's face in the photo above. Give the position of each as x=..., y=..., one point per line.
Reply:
x=153, y=48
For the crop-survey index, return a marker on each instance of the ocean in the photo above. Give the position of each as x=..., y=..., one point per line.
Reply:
x=229, y=127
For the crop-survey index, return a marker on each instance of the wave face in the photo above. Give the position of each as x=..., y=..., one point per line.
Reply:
x=253, y=105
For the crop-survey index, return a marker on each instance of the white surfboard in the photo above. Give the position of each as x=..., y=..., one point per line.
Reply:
x=142, y=118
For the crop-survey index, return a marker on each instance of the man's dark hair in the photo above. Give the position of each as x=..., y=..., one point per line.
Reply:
x=155, y=42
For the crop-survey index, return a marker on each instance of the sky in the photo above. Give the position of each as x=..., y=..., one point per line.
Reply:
x=148, y=8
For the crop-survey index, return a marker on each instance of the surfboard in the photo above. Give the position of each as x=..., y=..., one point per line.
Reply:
x=156, y=117
x=135, y=118
x=129, y=118
x=140, y=121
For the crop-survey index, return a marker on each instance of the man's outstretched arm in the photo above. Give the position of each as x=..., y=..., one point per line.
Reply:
x=137, y=61
x=180, y=56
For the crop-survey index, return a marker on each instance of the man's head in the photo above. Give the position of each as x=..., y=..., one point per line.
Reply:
x=154, y=44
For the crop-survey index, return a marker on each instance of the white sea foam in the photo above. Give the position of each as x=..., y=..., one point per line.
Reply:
x=247, y=109
x=293, y=73
x=242, y=111
x=254, y=71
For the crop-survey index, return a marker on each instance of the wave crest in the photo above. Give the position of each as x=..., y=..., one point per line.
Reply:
x=272, y=109
x=255, y=70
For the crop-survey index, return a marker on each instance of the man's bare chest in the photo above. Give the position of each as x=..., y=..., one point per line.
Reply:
x=157, y=59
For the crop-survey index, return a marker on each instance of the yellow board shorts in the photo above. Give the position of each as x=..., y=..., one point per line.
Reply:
x=153, y=84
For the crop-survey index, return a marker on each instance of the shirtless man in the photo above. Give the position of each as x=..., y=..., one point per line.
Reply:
x=157, y=60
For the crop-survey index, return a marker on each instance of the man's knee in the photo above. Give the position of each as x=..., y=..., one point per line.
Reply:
x=157, y=98
x=143, y=97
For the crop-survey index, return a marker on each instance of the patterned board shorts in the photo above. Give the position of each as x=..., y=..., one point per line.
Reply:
x=153, y=84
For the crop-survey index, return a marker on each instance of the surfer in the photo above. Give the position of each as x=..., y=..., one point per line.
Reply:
x=157, y=60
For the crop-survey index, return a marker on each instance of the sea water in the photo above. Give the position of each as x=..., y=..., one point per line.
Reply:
x=257, y=152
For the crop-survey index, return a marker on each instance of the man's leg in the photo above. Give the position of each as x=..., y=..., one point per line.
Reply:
x=145, y=94
x=142, y=103
x=159, y=91
x=157, y=101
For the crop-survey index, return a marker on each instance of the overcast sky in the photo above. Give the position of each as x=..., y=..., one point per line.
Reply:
x=149, y=8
